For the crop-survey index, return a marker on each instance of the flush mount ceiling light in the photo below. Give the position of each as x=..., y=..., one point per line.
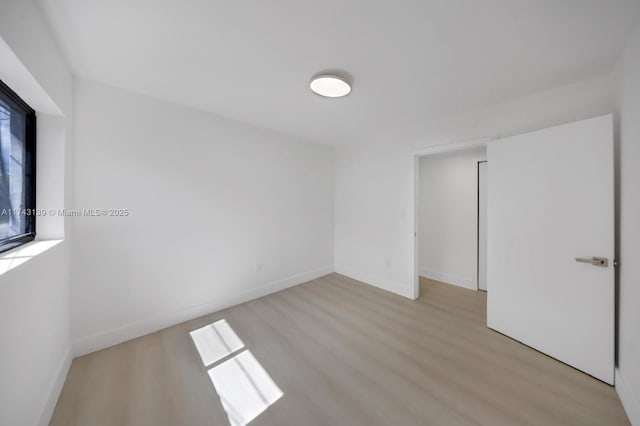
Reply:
x=330, y=86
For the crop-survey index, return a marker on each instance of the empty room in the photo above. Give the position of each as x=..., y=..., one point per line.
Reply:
x=354, y=212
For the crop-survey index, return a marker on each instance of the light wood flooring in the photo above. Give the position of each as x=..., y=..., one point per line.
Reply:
x=344, y=353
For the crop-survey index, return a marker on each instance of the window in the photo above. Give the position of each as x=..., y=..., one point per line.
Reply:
x=17, y=170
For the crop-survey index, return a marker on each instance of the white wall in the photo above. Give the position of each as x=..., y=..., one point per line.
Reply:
x=628, y=98
x=34, y=337
x=35, y=329
x=209, y=198
x=447, y=217
x=374, y=198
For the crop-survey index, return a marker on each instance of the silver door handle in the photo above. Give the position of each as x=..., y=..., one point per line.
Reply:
x=595, y=261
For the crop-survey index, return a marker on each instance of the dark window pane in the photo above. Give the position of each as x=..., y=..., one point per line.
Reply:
x=17, y=191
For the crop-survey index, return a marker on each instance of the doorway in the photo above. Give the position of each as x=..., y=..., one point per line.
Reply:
x=551, y=242
x=451, y=218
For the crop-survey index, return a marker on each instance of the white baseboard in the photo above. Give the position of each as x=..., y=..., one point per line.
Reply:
x=55, y=389
x=114, y=336
x=385, y=284
x=629, y=400
x=448, y=278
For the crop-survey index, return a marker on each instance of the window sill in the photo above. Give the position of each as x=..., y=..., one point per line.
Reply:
x=22, y=254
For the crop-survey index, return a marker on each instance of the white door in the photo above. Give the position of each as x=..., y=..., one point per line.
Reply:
x=482, y=225
x=550, y=202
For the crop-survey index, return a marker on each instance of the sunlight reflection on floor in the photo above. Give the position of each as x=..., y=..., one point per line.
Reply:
x=245, y=388
x=216, y=341
x=243, y=385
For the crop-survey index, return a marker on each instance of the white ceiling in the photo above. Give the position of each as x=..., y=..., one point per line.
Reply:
x=409, y=60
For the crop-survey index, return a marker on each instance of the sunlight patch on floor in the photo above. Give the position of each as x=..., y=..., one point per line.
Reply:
x=216, y=341
x=243, y=385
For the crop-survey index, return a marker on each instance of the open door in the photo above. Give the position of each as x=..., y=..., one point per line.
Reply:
x=551, y=242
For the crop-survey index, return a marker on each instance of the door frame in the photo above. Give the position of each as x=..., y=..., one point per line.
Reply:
x=415, y=154
x=476, y=165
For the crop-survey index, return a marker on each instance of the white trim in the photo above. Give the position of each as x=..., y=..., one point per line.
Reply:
x=114, y=336
x=629, y=400
x=460, y=281
x=382, y=283
x=55, y=389
x=462, y=145
x=414, y=165
x=416, y=228
x=476, y=204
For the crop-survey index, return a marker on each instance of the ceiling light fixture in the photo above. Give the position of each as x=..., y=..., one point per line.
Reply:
x=330, y=86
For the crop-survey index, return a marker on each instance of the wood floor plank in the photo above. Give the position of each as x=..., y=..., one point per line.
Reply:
x=343, y=353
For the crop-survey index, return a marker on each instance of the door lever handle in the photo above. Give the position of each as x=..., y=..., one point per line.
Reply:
x=595, y=261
